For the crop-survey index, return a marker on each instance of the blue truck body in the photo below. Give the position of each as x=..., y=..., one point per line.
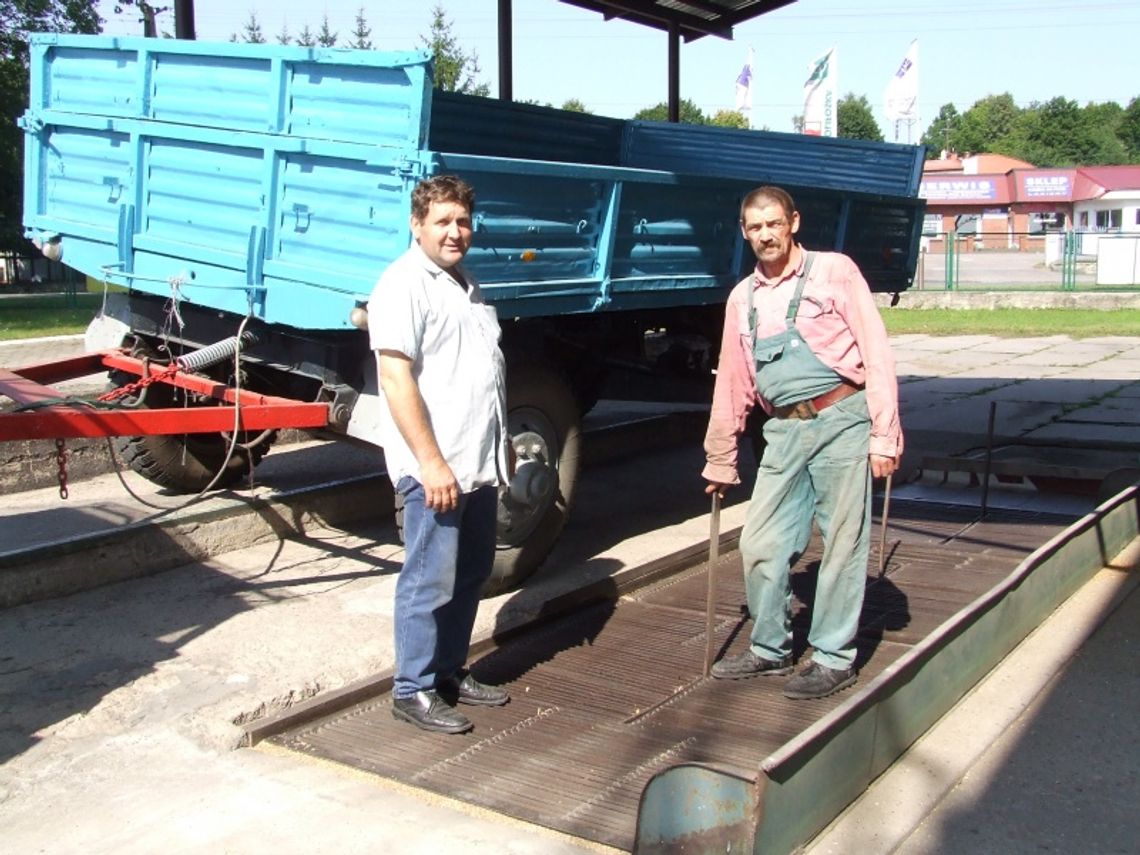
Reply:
x=264, y=188
x=280, y=177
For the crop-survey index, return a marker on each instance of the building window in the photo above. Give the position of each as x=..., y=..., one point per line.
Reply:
x=1039, y=223
x=1110, y=219
x=967, y=223
x=1083, y=222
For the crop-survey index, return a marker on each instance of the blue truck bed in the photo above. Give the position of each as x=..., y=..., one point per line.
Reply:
x=277, y=180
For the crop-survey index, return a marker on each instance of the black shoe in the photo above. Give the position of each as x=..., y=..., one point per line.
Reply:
x=748, y=664
x=818, y=681
x=427, y=710
x=471, y=691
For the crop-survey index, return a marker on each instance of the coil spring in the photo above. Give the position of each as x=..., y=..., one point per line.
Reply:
x=214, y=353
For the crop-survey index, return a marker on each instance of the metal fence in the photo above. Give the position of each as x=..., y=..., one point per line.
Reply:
x=1066, y=261
x=30, y=271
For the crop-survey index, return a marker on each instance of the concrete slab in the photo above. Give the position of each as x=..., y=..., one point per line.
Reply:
x=1008, y=769
x=953, y=386
x=1128, y=391
x=1111, y=411
x=1058, y=390
x=1069, y=354
x=971, y=415
x=1082, y=433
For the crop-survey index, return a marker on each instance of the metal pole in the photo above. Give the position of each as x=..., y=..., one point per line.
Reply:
x=883, y=528
x=989, y=454
x=184, y=19
x=506, y=52
x=710, y=604
x=674, y=72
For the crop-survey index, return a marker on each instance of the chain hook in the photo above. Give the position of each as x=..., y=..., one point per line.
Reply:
x=61, y=463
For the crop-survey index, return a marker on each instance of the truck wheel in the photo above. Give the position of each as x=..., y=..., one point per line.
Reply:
x=543, y=421
x=187, y=463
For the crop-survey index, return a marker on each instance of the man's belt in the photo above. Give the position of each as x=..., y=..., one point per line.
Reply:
x=811, y=407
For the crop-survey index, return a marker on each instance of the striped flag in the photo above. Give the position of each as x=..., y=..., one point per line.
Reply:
x=900, y=101
x=821, y=97
x=744, y=85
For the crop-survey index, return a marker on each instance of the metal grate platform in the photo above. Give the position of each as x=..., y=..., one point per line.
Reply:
x=606, y=697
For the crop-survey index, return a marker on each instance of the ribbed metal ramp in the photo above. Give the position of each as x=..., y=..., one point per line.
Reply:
x=610, y=694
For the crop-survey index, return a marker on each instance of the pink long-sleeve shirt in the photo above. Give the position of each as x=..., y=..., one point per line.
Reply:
x=840, y=323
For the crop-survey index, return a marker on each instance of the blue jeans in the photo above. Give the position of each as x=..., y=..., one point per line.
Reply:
x=448, y=557
x=817, y=467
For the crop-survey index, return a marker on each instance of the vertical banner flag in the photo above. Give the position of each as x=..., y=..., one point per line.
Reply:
x=744, y=85
x=900, y=101
x=820, y=103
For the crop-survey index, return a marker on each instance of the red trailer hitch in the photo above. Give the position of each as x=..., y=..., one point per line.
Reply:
x=43, y=412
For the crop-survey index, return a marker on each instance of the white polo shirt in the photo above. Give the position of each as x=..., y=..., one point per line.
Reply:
x=452, y=338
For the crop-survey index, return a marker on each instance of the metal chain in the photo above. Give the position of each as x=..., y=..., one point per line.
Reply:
x=61, y=463
x=140, y=384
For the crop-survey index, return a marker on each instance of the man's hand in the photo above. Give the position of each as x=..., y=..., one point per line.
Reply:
x=714, y=487
x=441, y=490
x=882, y=466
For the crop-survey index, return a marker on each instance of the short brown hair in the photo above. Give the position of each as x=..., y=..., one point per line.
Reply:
x=441, y=188
x=771, y=195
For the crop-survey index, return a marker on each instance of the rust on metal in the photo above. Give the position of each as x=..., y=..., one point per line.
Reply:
x=613, y=695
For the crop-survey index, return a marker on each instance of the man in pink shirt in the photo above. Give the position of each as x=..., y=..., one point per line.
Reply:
x=803, y=338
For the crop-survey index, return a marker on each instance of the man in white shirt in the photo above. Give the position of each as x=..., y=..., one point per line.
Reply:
x=445, y=443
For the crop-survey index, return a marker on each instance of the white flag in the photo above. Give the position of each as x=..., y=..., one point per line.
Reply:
x=744, y=85
x=820, y=97
x=900, y=101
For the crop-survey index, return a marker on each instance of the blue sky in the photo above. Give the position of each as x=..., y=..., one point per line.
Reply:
x=1034, y=49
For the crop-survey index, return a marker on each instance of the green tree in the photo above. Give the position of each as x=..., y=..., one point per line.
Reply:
x=361, y=33
x=985, y=124
x=575, y=106
x=306, y=37
x=251, y=31
x=1128, y=131
x=1061, y=133
x=938, y=136
x=855, y=119
x=326, y=37
x=18, y=18
x=456, y=70
x=690, y=113
x=148, y=13
x=729, y=119
x=284, y=37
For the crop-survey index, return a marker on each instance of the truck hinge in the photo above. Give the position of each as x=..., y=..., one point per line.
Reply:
x=409, y=168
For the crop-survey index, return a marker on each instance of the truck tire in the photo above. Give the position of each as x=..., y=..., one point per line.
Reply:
x=540, y=407
x=545, y=428
x=187, y=463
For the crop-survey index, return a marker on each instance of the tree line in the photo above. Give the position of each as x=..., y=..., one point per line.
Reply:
x=1058, y=132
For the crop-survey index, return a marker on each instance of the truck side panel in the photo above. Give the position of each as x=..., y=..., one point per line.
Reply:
x=276, y=180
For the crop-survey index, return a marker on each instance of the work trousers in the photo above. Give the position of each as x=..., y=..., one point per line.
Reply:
x=448, y=558
x=811, y=468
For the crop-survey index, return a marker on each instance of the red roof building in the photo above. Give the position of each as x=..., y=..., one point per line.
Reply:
x=998, y=202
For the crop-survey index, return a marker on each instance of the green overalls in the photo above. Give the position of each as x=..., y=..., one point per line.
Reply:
x=817, y=467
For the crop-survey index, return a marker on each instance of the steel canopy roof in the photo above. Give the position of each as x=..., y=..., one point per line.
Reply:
x=691, y=19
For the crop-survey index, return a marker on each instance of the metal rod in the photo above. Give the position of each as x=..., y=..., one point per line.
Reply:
x=883, y=528
x=989, y=456
x=714, y=554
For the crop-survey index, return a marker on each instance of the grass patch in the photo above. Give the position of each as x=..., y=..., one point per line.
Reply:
x=1014, y=323
x=34, y=315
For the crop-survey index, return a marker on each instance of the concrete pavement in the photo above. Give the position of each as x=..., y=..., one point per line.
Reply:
x=121, y=702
